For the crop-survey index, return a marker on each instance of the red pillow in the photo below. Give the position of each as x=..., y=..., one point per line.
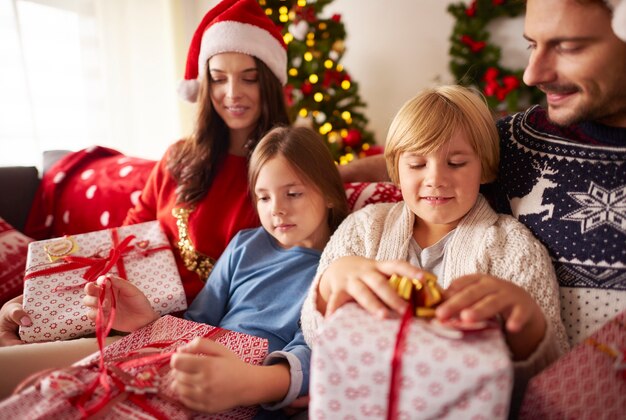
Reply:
x=85, y=191
x=360, y=194
x=13, y=250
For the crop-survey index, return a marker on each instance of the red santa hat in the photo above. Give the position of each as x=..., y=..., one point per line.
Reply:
x=234, y=26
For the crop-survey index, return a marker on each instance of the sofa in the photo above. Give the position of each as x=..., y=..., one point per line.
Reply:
x=18, y=185
x=88, y=190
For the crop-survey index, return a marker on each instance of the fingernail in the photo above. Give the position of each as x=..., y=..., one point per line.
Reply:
x=25, y=321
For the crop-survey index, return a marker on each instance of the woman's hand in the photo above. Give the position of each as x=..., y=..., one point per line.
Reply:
x=478, y=297
x=132, y=308
x=12, y=315
x=365, y=281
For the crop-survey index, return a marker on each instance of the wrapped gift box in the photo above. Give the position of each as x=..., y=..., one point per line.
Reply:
x=57, y=270
x=439, y=378
x=57, y=394
x=588, y=382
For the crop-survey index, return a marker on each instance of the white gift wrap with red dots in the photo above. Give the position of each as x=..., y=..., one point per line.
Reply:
x=57, y=311
x=468, y=378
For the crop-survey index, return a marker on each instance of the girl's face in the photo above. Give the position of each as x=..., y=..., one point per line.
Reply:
x=235, y=94
x=294, y=213
x=440, y=188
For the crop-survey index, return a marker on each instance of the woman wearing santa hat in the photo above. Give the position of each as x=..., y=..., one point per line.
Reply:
x=236, y=68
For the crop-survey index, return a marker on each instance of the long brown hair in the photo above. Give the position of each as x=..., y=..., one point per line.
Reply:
x=195, y=161
x=305, y=150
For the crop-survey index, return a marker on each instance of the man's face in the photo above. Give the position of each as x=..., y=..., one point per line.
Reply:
x=577, y=61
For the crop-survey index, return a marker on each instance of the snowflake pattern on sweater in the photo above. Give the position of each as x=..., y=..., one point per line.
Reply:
x=568, y=185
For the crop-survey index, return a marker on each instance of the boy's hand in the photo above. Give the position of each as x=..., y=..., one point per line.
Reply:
x=365, y=281
x=132, y=308
x=12, y=315
x=478, y=297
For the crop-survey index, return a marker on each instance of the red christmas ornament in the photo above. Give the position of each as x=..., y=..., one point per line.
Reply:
x=306, y=13
x=494, y=88
x=497, y=2
x=374, y=150
x=336, y=17
x=307, y=88
x=288, y=93
x=474, y=46
x=353, y=138
x=471, y=10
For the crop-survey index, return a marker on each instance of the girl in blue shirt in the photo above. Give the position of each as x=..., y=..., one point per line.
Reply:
x=259, y=283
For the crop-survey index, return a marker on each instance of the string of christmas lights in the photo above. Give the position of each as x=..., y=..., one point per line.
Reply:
x=319, y=89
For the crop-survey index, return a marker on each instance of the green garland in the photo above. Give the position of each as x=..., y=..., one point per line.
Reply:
x=474, y=61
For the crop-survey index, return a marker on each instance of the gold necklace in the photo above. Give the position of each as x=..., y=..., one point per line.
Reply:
x=194, y=260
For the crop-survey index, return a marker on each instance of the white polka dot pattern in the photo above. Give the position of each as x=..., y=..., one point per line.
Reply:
x=470, y=378
x=134, y=197
x=87, y=174
x=54, y=301
x=125, y=170
x=58, y=177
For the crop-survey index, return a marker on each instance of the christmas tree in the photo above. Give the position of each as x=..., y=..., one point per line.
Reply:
x=319, y=89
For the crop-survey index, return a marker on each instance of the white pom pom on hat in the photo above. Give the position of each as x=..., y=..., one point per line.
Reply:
x=234, y=26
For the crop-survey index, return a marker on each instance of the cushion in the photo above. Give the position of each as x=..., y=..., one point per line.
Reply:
x=360, y=194
x=86, y=191
x=13, y=250
x=18, y=185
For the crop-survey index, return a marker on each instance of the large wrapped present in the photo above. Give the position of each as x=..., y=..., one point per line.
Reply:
x=355, y=371
x=589, y=382
x=132, y=381
x=57, y=270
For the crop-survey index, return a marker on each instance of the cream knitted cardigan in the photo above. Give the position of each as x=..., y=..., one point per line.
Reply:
x=483, y=242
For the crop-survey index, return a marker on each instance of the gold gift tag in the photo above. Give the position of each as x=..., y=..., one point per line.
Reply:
x=59, y=248
x=425, y=293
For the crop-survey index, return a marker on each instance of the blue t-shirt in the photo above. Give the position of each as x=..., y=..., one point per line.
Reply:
x=258, y=288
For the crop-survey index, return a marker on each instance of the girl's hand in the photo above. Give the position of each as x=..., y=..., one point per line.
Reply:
x=210, y=378
x=132, y=308
x=12, y=315
x=479, y=297
x=365, y=281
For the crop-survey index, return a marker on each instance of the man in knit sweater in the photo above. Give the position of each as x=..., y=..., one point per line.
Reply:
x=563, y=167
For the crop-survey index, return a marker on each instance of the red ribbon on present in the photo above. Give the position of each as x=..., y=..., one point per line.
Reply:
x=396, y=362
x=97, y=266
x=115, y=370
x=423, y=295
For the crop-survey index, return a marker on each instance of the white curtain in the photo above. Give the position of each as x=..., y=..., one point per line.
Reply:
x=77, y=73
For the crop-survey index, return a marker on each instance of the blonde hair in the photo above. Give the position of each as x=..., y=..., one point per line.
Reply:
x=305, y=150
x=427, y=122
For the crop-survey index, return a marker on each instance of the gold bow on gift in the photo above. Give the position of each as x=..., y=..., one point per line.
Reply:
x=425, y=294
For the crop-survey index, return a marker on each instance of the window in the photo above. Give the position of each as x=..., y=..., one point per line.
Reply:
x=50, y=92
x=77, y=73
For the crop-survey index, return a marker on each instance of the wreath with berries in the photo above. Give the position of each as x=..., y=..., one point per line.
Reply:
x=475, y=61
